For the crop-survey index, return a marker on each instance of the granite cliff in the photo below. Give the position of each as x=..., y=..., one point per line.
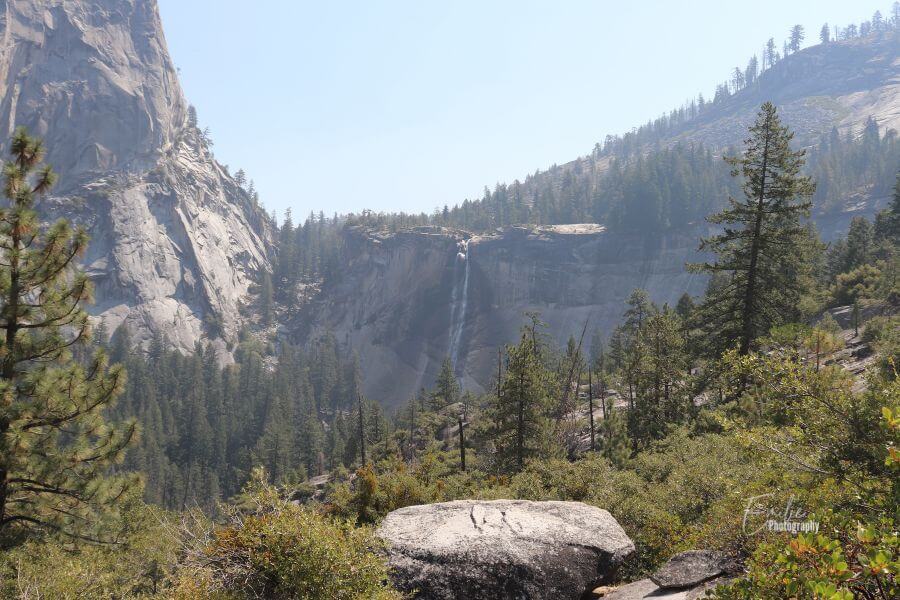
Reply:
x=176, y=243
x=408, y=300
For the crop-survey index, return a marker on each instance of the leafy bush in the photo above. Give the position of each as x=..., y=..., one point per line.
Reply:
x=140, y=565
x=849, y=564
x=284, y=550
x=859, y=284
x=883, y=333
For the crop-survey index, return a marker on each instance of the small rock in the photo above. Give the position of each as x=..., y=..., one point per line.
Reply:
x=603, y=590
x=691, y=568
x=639, y=590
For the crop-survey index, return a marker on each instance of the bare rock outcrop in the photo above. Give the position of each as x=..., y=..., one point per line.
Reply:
x=502, y=549
x=405, y=301
x=176, y=243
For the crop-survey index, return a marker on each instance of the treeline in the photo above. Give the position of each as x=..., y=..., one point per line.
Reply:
x=740, y=78
x=667, y=188
x=633, y=190
x=306, y=253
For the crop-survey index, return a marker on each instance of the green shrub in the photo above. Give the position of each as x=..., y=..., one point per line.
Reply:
x=857, y=562
x=859, y=284
x=140, y=565
x=285, y=551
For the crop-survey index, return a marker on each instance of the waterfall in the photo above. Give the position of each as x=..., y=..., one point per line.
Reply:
x=459, y=301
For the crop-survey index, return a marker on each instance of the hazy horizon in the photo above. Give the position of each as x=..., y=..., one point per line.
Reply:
x=392, y=109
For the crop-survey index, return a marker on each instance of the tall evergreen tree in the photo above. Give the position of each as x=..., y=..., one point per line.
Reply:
x=860, y=243
x=661, y=393
x=892, y=226
x=523, y=428
x=797, y=36
x=55, y=445
x=446, y=390
x=758, y=249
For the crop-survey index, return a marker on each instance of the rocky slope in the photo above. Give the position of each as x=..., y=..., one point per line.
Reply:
x=840, y=84
x=176, y=243
x=406, y=301
x=836, y=85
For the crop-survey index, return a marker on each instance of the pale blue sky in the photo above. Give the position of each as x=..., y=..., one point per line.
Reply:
x=409, y=105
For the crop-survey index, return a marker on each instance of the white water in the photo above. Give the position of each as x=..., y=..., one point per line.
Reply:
x=459, y=301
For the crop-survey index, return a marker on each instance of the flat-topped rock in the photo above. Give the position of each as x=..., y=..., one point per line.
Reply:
x=473, y=550
x=691, y=568
x=645, y=589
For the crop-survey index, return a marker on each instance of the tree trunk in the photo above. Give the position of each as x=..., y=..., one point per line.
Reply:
x=9, y=363
x=591, y=406
x=750, y=294
x=362, y=433
x=462, y=446
x=520, y=434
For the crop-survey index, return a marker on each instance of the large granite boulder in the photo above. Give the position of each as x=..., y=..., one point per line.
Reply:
x=688, y=569
x=473, y=550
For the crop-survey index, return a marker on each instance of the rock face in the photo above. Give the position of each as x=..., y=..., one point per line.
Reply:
x=691, y=568
x=503, y=549
x=406, y=301
x=176, y=242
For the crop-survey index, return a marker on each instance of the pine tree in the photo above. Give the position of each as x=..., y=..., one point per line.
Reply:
x=685, y=307
x=446, y=390
x=825, y=34
x=523, y=428
x=192, y=117
x=661, y=394
x=55, y=446
x=266, y=303
x=797, y=36
x=892, y=227
x=757, y=250
x=639, y=309
x=771, y=56
x=860, y=243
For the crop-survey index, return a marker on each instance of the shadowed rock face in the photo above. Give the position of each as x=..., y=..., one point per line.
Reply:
x=397, y=302
x=502, y=549
x=175, y=242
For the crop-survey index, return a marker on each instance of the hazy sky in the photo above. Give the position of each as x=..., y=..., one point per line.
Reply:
x=340, y=106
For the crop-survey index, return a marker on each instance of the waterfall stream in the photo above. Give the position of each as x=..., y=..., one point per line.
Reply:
x=459, y=300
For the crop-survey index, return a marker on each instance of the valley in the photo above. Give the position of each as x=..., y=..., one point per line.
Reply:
x=606, y=379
